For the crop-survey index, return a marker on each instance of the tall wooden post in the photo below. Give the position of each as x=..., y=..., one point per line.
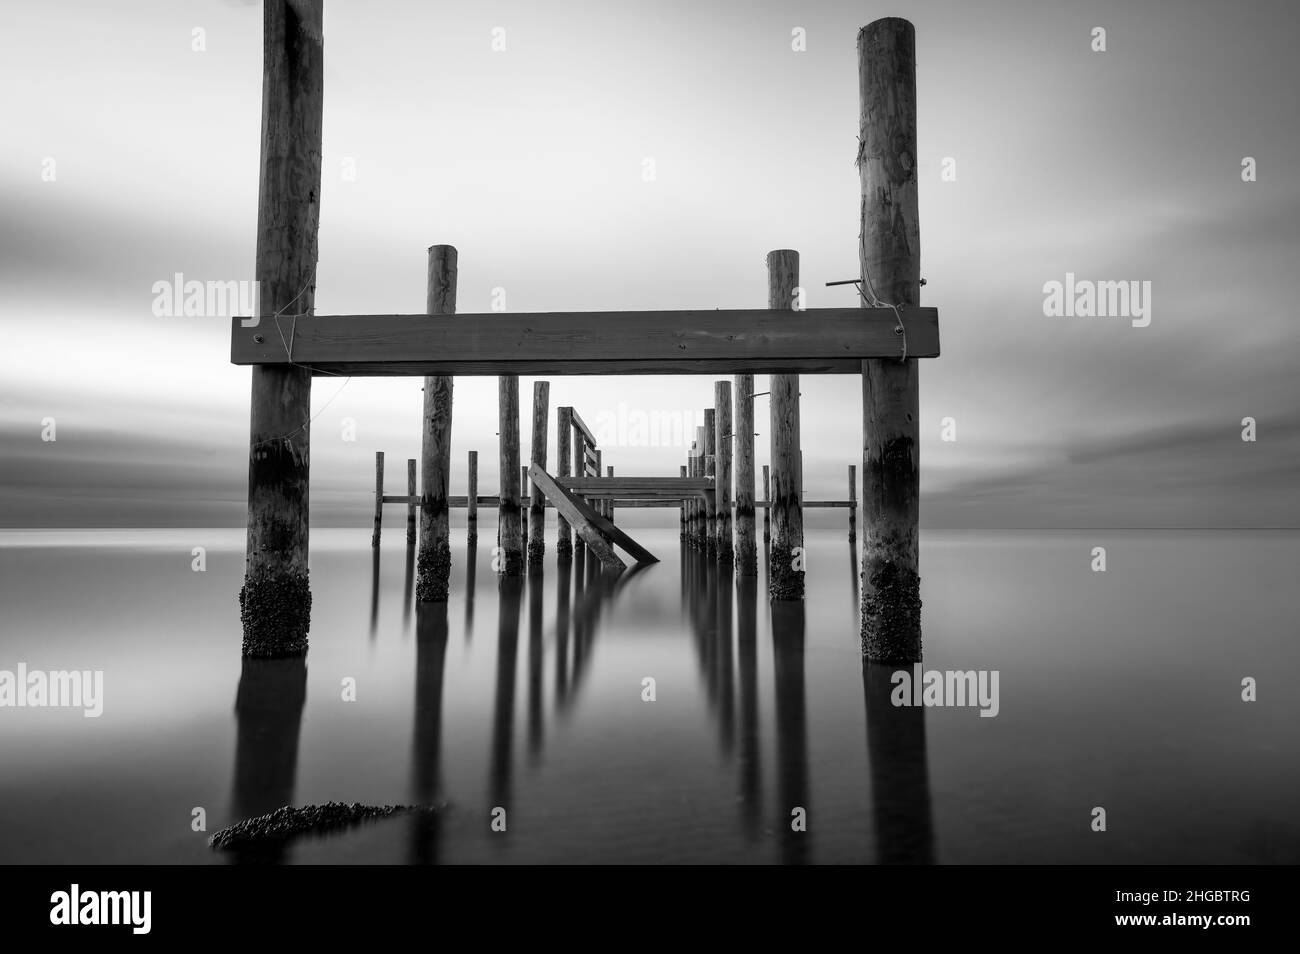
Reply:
x=509, y=528
x=579, y=465
x=681, y=514
x=767, y=506
x=724, y=434
x=746, y=547
x=602, y=505
x=433, y=563
x=710, y=470
x=609, y=505
x=891, y=265
x=785, y=580
x=275, y=600
x=524, y=498
x=563, y=450
x=471, y=501
x=379, y=498
x=411, y=498
x=693, y=469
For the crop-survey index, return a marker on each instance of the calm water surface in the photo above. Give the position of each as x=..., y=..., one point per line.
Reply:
x=1119, y=689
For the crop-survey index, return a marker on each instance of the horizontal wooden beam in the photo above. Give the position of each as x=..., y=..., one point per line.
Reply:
x=817, y=341
x=647, y=501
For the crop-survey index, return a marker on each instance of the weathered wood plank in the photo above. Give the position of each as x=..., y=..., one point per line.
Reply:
x=580, y=517
x=581, y=425
x=601, y=523
x=823, y=340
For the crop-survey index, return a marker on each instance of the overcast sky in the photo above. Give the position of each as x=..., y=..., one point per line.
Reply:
x=1122, y=165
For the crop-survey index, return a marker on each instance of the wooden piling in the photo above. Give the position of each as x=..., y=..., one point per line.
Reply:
x=433, y=563
x=524, y=502
x=609, y=504
x=710, y=470
x=746, y=547
x=471, y=499
x=602, y=505
x=681, y=515
x=785, y=580
x=891, y=266
x=722, y=422
x=579, y=463
x=509, y=520
x=275, y=600
x=563, y=450
x=379, y=498
x=767, y=506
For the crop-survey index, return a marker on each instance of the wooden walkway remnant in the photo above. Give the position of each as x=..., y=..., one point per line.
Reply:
x=285, y=344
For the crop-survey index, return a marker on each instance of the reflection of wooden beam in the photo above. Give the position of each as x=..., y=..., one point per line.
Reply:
x=580, y=517
x=602, y=526
x=823, y=340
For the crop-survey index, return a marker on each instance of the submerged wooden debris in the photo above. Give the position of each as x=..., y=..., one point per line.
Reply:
x=287, y=822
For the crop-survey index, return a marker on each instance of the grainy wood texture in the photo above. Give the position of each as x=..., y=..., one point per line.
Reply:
x=433, y=561
x=581, y=434
x=746, y=545
x=701, y=513
x=891, y=261
x=767, y=506
x=785, y=577
x=563, y=465
x=692, y=455
x=412, y=503
x=582, y=428
x=536, y=499
x=601, y=505
x=723, y=425
x=523, y=502
x=681, y=516
x=581, y=517
x=275, y=600
x=629, y=486
x=509, y=521
x=599, y=521
x=710, y=471
x=609, y=504
x=825, y=340
x=471, y=501
x=379, y=499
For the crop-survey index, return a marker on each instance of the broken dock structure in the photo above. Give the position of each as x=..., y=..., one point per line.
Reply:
x=286, y=344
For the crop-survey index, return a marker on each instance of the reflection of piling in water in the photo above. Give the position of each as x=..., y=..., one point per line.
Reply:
x=374, y=592
x=536, y=658
x=471, y=574
x=724, y=661
x=900, y=775
x=563, y=580
x=751, y=774
x=791, y=728
x=503, y=708
x=408, y=588
x=268, y=718
x=431, y=630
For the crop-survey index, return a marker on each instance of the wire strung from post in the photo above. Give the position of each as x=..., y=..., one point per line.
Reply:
x=288, y=351
x=869, y=297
